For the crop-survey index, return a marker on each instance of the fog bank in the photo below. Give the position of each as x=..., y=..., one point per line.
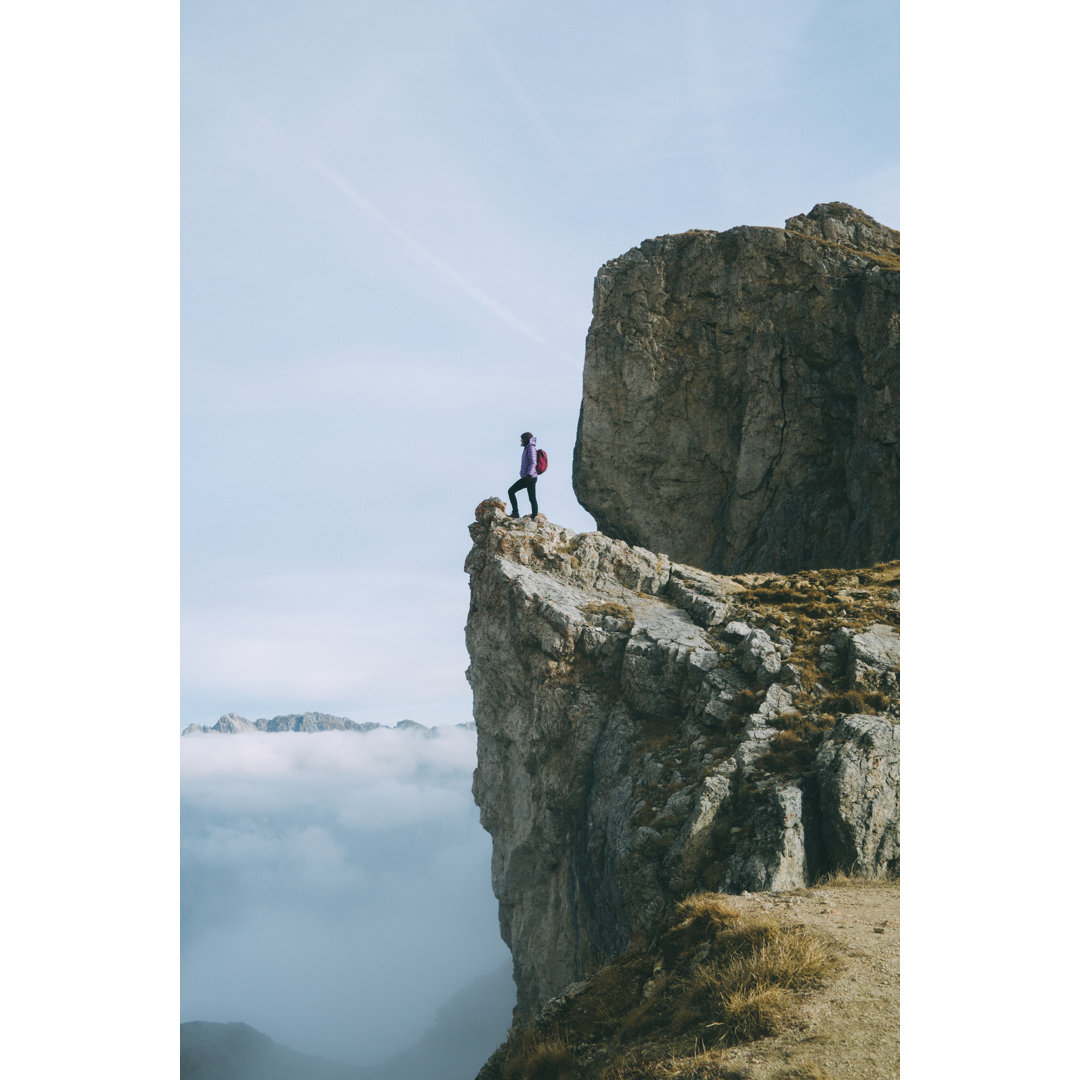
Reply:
x=335, y=887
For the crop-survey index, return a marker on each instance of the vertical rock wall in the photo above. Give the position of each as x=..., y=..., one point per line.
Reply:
x=740, y=405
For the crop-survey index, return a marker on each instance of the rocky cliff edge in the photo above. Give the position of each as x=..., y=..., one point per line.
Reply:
x=646, y=729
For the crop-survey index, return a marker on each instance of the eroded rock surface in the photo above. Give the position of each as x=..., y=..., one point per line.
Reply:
x=646, y=729
x=740, y=406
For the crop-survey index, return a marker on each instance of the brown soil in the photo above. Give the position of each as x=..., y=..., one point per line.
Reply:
x=850, y=1029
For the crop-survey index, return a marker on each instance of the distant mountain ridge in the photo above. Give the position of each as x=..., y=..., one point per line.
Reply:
x=210, y=1051
x=455, y=1047
x=231, y=724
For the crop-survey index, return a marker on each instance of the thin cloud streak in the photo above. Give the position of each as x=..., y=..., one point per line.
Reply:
x=419, y=253
x=429, y=260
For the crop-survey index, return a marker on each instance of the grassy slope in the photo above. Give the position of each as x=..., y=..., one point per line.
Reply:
x=714, y=978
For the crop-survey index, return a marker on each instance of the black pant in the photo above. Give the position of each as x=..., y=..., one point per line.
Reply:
x=528, y=482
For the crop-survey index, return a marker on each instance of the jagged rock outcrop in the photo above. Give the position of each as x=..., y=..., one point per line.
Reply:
x=858, y=774
x=646, y=729
x=231, y=724
x=740, y=408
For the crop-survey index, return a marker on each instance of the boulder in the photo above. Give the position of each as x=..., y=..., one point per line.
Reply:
x=741, y=390
x=858, y=769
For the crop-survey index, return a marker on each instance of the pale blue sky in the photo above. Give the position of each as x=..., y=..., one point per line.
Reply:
x=392, y=216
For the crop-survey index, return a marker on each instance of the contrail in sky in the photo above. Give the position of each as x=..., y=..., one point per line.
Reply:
x=420, y=254
x=428, y=258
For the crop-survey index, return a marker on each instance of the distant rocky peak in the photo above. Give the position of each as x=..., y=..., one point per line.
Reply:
x=231, y=724
x=412, y=725
x=310, y=722
x=840, y=223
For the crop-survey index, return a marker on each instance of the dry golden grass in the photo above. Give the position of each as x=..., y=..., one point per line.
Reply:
x=608, y=607
x=714, y=979
x=793, y=750
x=541, y=1058
x=808, y=606
x=702, y=1064
x=743, y=986
x=841, y=880
x=800, y=601
x=704, y=905
x=787, y=959
x=885, y=261
x=854, y=701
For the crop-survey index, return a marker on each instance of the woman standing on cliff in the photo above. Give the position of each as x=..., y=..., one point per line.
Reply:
x=527, y=474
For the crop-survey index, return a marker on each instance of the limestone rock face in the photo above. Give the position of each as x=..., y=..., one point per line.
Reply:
x=646, y=729
x=858, y=769
x=740, y=407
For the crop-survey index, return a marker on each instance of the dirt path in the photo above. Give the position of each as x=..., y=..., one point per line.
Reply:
x=850, y=1030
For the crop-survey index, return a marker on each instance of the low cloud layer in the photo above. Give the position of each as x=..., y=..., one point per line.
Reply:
x=335, y=887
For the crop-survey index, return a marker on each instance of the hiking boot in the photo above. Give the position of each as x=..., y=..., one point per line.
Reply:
x=513, y=513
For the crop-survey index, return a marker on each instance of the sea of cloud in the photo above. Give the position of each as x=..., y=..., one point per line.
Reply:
x=335, y=886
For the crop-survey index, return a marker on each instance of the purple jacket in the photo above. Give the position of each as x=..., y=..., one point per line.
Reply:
x=528, y=458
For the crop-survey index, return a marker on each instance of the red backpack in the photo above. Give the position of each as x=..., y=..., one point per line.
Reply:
x=541, y=461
